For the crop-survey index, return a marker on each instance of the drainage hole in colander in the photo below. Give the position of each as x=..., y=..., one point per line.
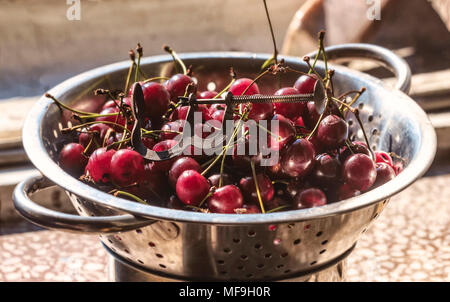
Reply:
x=236, y=240
x=244, y=257
x=291, y=225
x=363, y=231
x=79, y=209
x=110, y=241
x=314, y=262
x=287, y=271
x=324, y=242
x=268, y=256
x=374, y=147
x=117, y=237
x=251, y=233
x=375, y=216
x=249, y=275
x=361, y=106
x=162, y=266
x=151, y=244
x=260, y=265
x=319, y=234
x=126, y=251
x=280, y=266
x=159, y=255
x=277, y=241
x=140, y=261
x=240, y=267
x=350, y=122
x=221, y=262
x=284, y=255
x=258, y=246
x=370, y=118
x=352, y=137
x=307, y=227
x=297, y=241
x=322, y=251
x=374, y=131
x=139, y=231
x=227, y=250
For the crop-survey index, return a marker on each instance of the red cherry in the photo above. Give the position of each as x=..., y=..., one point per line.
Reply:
x=359, y=172
x=156, y=99
x=98, y=165
x=180, y=113
x=207, y=94
x=164, y=146
x=239, y=86
x=100, y=128
x=127, y=167
x=177, y=84
x=357, y=147
x=260, y=111
x=310, y=198
x=118, y=119
x=155, y=180
x=72, y=159
x=310, y=115
x=289, y=110
x=192, y=187
x=332, y=131
x=345, y=192
x=252, y=209
x=282, y=135
x=179, y=166
x=218, y=115
x=298, y=159
x=266, y=189
x=385, y=173
x=173, y=127
x=225, y=200
x=327, y=170
x=383, y=157
x=305, y=83
x=149, y=142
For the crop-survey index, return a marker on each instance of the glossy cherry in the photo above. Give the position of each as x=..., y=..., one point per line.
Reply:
x=156, y=99
x=239, y=86
x=72, y=159
x=192, y=187
x=359, y=172
x=176, y=85
x=357, y=147
x=327, y=170
x=332, y=131
x=226, y=200
x=298, y=159
x=207, y=94
x=169, y=130
x=164, y=146
x=248, y=188
x=290, y=110
x=310, y=198
x=215, y=178
x=98, y=166
x=383, y=157
x=282, y=135
x=179, y=166
x=385, y=173
x=127, y=167
x=305, y=83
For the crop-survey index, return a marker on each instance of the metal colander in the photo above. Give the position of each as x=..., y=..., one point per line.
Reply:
x=193, y=246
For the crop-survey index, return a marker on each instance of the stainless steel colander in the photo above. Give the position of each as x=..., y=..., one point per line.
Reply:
x=192, y=246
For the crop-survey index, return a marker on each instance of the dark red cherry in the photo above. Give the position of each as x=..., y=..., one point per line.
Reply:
x=248, y=188
x=260, y=111
x=149, y=142
x=239, y=86
x=156, y=99
x=225, y=200
x=345, y=192
x=98, y=166
x=332, y=131
x=164, y=146
x=290, y=110
x=310, y=115
x=383, y=157
x=207, y=94
x=179, y=166
x=192, y=187
x=282, y=135
x=72, y=159
x=298, y=159
x=359, y=172
x=155, y=180
x=357, y=147
x=175, y=203
x=100, y=128
x=385, y=173
x=226, y=180
x=177, y=84
x=244, y=152
x=251, y=209
x=127, y=167
x=327, y=170
x=305, y=83
x=118, y=119
x=310, y=198
x=218, y=115
x=169, y=130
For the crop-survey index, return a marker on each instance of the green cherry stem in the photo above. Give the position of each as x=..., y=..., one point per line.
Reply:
x=67, y=107
x=275, y=50
x=255, y=179
x=123, y=193
x=176, y=59
x=139, y=50
x=211, y=192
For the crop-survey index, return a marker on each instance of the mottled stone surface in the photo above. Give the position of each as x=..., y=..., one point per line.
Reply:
x=410, y=241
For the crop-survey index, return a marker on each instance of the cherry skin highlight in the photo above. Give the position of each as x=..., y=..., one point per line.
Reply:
x=98, y=166
x=72, y=159
x=266, y=189
x=332, y=131
x=298, y=159
x=127, y=167
x=310, y=198
x=239, y=86
x=192, y=187
x=226, y=200
x=359, y=172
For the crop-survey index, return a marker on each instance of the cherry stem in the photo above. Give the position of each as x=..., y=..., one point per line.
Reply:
x=176, y=58
x=91, y=123
x=110, y=146
x=343, y=104
x=320, y=118
x=117, y=193
x=321, y=37
x=130, y=70
x=356, y=113
x=278, y=181
x=357, y=96
x=140, y=53
x=252, y=165
x=256, y=79
x=211, y=192
x=278, y=208
x=90, y=143
x=307, y=59
x=95, y=115
x=233, y=79
x=155, y=79
x=107, y=135
x=275, y=50
x=67, y=107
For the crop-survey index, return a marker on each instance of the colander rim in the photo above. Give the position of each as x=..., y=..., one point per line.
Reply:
x=34, y=147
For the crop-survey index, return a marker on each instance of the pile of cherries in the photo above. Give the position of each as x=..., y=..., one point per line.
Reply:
x=318, y=163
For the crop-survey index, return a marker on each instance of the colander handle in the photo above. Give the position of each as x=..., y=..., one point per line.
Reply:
x=380, y=54
x=67, y=222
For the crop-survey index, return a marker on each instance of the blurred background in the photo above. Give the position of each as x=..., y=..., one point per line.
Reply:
x=46, y=42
